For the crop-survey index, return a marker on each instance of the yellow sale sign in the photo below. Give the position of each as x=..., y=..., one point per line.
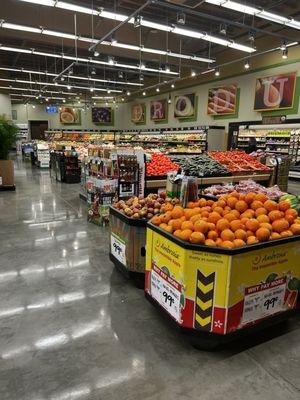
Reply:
x=219, y=292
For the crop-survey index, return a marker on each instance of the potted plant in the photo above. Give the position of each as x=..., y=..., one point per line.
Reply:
x=8, y=137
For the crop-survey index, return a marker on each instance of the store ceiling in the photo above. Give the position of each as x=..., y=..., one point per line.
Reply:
x=220, y=22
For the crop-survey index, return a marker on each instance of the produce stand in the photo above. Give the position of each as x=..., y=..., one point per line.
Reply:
x=127, y=245
x=262, y=177
x=216, y=295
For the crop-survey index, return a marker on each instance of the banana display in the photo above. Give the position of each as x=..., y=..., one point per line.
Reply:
x=294, y=201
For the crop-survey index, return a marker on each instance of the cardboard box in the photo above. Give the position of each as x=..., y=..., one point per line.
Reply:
x=7, y=173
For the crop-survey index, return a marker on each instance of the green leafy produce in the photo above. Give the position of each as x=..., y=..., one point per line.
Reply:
x=293, y=200
x=201, y=165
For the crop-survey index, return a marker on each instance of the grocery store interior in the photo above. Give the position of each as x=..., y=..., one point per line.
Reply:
x=149, y=199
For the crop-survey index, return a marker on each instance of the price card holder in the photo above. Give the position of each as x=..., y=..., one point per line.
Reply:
x=166, y=291
x=118, y=248
x=263, y=300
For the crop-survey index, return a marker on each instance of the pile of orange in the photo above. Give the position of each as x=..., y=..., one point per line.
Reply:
x=235, y=220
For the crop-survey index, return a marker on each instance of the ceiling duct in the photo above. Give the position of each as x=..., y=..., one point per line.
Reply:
x=186, y=3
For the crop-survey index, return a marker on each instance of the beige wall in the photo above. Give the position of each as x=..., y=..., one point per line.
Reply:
x=5, y=105
x=27, y=113
x=245, y=82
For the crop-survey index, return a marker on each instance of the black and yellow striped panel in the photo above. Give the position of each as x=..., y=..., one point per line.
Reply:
x=204, y=301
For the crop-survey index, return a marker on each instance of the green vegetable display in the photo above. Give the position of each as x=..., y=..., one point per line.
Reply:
x=294, y=201
x=201, y=165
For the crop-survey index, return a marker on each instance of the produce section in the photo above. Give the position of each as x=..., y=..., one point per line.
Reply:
x=235, y=220
x=245, y=186
x=201, y=166
x=238, y=161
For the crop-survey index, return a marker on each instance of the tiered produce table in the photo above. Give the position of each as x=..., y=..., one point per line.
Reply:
x=216, y=294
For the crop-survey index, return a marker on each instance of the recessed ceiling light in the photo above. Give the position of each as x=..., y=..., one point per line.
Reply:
x=158, y=89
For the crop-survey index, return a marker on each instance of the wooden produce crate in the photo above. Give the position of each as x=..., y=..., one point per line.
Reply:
x=128, y=245
x=219, y=294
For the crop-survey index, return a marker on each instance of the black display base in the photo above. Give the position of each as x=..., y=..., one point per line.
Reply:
x=11, y=188
x=208, y=341
x=138, y=278
x=82, y=197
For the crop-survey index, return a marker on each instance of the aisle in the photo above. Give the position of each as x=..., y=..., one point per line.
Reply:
x=71, y=328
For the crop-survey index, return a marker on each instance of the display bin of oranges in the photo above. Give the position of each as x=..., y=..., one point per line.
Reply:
x=127, y=245
x=224, y=268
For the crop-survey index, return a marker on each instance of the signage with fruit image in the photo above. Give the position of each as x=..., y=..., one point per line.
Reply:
x=185, y=106
x=69, y=116
x=102, y=115
x=275, y=92
x=159, y=110
x=222, y=100
x=138, y=113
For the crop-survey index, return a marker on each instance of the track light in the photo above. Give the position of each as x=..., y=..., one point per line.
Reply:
x=137, y=21
x=172, y=86
x=123, y=99
x=64, y=100
x=94, y=103
x=141, y=77
x=62, y=78
x=55, y=83
x=69, y=87
x=37, y=97
x=144, y=93
x=193, y=73
x=158, y=89
x=108, y=91
x=128, y=93
x=142, y=65
x=33, y=106
x=247, y=64
x=111, y=60
x=113, y=40
x=217, y=72
x=120, y=75
x=285, y=54
x=46, y=99
x=167, y=68
x=71, y=71
x=223, y=29
x=181, y=18
x=169, y=99
x=91, y=89
x=283, y=46
x=96, y=53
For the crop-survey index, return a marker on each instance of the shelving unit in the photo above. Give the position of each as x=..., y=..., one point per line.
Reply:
x=274, y=139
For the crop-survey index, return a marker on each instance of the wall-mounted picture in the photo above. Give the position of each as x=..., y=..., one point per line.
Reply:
x=222, y=100
x=69, y=115
x=138, y=113
x=275, y=92
x=102, y=115
x=159, y=110
x=185, y=106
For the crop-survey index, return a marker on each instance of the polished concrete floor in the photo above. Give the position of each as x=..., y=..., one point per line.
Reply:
x=72, y=328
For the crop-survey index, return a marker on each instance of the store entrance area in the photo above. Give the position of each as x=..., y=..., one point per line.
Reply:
x=73, y=328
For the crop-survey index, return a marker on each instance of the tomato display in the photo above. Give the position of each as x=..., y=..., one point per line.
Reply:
x=238, y=161
x=160, y=165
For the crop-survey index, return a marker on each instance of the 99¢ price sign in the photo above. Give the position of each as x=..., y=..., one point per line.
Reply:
x=118, y=248
x=166, y=291
x=264, y=300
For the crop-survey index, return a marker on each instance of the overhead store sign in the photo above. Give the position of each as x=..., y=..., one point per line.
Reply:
x=275, y=92
x=222, y=100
